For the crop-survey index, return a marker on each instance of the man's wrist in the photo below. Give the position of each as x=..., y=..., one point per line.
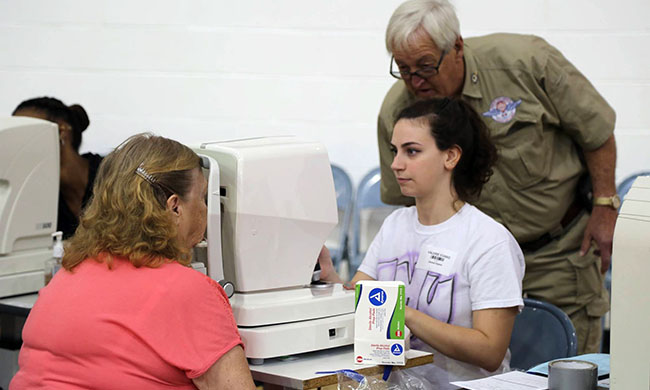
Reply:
x=613, y=202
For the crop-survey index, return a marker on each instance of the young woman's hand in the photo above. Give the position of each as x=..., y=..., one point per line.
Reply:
x=327, y=270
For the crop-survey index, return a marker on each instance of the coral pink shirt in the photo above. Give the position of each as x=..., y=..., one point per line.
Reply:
x=125, y=328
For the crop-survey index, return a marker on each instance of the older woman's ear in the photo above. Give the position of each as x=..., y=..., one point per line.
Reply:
x=172, y=204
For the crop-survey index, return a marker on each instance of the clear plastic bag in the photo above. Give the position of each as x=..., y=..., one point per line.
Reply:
x=352, y=380
x=398, y=380
x=407, y=380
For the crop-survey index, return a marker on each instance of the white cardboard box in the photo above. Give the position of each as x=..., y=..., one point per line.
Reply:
x=379, y=331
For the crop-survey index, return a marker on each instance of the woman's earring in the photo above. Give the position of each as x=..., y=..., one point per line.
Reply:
x=62, y=141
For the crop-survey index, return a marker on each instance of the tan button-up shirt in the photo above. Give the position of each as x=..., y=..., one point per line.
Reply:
x=541, y=112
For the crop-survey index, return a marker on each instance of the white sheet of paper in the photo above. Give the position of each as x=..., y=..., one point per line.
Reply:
x=603, y=383
x=513, y=380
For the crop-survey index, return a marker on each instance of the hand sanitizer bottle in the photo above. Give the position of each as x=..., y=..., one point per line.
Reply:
x=54, y=264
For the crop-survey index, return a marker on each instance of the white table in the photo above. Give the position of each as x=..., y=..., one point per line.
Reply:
x=299, y=371
x=20, y=302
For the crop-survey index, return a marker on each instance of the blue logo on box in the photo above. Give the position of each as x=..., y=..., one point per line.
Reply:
x=377, y=296
x=396, y=349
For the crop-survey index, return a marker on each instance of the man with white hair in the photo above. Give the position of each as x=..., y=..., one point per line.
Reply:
x=552, y=130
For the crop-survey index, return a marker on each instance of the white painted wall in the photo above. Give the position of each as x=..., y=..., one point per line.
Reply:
x=205, y=70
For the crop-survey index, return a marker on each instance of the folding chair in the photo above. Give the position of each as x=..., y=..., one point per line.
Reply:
x=338, y=239
x=369, y=214
x=542, y=332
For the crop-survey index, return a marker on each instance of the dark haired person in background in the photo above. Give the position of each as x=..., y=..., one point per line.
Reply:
x=77, y=171
x=462, y=309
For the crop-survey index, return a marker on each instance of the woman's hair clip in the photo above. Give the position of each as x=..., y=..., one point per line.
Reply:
x=140, y=171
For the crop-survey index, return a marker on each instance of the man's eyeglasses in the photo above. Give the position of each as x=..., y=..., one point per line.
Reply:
x=423, y=73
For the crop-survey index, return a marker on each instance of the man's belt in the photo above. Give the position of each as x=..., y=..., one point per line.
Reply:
x=570, y=215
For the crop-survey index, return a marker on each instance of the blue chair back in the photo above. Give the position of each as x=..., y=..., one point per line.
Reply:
x=344, y=198
x=368, y=198
x=542, y=332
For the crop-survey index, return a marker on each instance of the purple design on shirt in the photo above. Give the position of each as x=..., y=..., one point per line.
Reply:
x=405, y=264
x=426, y=291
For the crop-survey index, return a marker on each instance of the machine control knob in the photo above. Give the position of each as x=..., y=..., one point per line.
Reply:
x=228, y=287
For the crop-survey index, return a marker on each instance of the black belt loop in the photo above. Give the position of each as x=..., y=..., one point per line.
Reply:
x=571, y=214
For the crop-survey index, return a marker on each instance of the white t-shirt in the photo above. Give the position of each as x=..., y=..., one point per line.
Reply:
x=468, y=262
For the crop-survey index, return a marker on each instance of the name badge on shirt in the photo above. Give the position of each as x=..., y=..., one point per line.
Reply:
x=435, y=259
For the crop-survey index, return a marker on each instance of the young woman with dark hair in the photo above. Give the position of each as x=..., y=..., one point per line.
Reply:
x=462, y=269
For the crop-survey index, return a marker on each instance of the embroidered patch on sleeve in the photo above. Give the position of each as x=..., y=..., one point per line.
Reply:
x=502, y=109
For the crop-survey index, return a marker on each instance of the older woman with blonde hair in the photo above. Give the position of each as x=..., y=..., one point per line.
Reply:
x=127, y=312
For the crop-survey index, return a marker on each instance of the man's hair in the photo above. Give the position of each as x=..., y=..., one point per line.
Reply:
x=436, y=17
x=127, y=215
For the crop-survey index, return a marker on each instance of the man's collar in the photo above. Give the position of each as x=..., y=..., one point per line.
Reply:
x=471, y=85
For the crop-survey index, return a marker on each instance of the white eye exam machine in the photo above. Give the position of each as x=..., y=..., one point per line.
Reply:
x=29, y=193
x=630, y=314
x=271, y=206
